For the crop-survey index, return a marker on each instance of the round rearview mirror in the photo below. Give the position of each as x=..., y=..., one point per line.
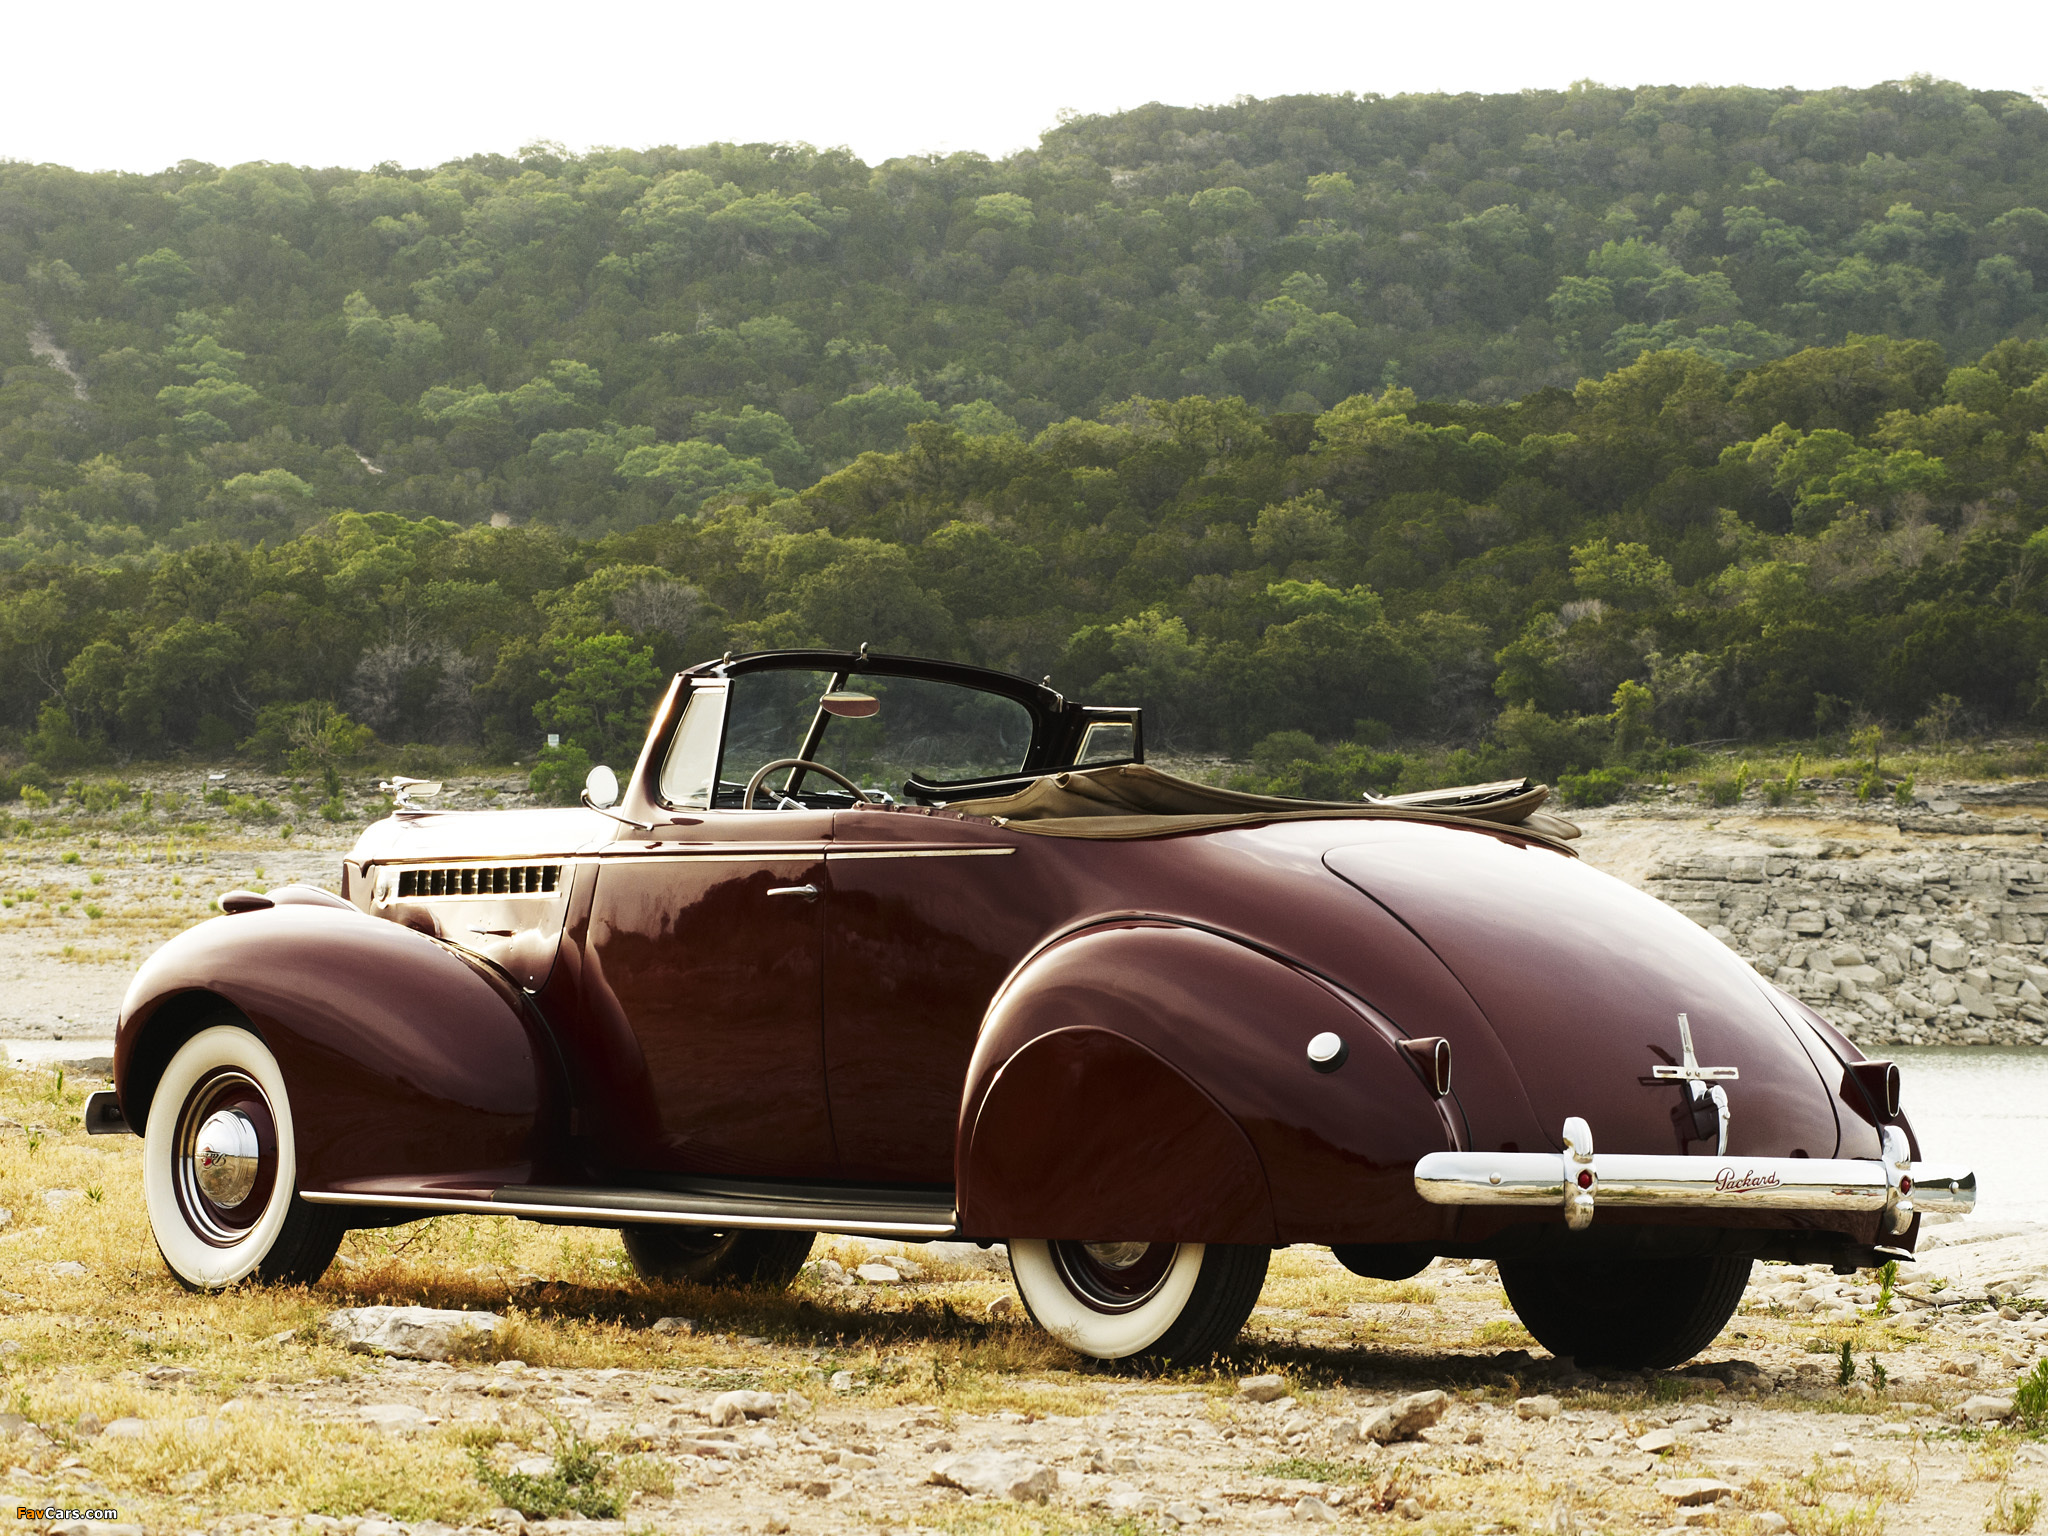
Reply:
x=850, y=706
x=601, y=788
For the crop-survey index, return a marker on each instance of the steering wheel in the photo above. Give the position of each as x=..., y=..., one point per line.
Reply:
x=761, y=774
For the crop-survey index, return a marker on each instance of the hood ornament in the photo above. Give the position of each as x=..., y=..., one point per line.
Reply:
x=1702, y=1084
x=404, y=791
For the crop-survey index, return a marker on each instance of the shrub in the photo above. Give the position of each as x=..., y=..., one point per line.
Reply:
x=1720, y=788
x=1546, y=747
x=577, y=1485
x=1601, y=786
x=101, y=795
x=557, y=779
x=1294, y=765
x=2030, y=1398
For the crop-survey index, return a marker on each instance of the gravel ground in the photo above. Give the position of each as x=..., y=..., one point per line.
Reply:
x=1760, y=1434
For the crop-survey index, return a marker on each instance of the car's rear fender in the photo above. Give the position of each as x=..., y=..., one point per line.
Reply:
x=1147, y=1079
x=406, y=1061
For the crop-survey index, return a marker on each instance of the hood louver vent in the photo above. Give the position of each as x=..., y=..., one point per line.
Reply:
x=419, y=884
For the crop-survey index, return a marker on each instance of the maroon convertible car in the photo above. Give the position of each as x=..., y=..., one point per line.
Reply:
x=876, y=945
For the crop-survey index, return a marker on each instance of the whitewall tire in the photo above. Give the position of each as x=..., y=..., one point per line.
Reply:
x=220, y=1168
x=1165, y=1303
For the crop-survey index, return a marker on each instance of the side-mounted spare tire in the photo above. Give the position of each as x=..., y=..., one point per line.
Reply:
x=220, y=1168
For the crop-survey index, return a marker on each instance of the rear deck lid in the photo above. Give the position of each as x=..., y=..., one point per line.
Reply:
x=1583, y=978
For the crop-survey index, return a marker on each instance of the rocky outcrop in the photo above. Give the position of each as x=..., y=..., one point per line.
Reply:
x=1894, y=940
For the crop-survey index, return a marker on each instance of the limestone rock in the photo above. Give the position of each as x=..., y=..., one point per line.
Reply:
x=410, y=1333
x=1406, y=1419
x=1694, y=1490
x=1948, y=952
x=1986, y=1407
x=392, y=1418
x=879, y=1274
x=729, y=1408
x=1262, y=1389
x=1540, y=1407
x=1657, y=1442
x=998, y=1474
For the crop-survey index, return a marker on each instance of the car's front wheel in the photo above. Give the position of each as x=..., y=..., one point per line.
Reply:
x=701, y=1256
x=1164, y=1303
x=220, y=1169
x=1626, y=1314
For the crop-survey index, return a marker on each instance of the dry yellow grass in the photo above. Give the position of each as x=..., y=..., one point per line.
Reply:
x=227, y=1438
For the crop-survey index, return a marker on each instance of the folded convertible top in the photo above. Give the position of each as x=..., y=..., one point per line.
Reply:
x=1131, y=800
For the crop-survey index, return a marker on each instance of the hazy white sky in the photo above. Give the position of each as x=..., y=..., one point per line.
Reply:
x=142, y=86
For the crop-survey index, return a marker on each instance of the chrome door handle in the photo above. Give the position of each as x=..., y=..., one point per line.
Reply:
x=808, y=892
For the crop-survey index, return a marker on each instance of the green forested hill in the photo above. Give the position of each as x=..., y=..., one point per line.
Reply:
x=1146, y=407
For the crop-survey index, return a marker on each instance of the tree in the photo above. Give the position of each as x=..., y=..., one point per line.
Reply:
x=603, y=689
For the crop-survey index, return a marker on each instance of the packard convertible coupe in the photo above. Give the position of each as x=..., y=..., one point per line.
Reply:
x=874, y=945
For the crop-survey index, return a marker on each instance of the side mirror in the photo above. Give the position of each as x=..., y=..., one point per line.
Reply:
x=601, y=788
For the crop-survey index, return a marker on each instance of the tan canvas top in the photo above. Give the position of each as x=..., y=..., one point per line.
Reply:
x=1131, y=800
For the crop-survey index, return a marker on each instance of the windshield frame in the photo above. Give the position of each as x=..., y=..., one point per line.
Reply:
x=1058, y=725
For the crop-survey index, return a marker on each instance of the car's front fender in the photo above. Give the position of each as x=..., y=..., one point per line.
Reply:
x=407, y=1062
x=1146, y=1079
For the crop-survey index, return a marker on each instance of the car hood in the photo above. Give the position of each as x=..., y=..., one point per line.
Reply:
x=1583, y=977
x=522, y=834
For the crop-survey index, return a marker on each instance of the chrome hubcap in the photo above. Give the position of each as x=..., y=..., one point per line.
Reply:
x=226, y=1158
x=1114, y=1277
x=1116, y=1255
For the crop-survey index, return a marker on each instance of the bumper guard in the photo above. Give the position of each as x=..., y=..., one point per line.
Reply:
x=1575, y=1180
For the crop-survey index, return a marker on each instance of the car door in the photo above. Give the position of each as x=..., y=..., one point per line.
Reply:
x=928, y=915
x=706, y=936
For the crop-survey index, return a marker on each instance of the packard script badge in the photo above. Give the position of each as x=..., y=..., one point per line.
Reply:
x=1729, y=1182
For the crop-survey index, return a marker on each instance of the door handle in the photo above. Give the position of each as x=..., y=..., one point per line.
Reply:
x=808, y=892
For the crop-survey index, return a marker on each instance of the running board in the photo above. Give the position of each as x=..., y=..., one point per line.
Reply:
x=915, y=1214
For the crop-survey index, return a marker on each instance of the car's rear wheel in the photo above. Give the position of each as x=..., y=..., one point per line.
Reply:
x=1162, y=1303
x=1628, y=1314
x=702, y=1256
x=220, y=1169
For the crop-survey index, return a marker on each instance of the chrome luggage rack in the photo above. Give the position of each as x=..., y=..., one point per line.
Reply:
x=1576, y=1180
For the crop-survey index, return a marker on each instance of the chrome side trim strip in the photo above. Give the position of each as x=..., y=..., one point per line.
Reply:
x=669, y=850
x=617, y=1215
x=833, y=855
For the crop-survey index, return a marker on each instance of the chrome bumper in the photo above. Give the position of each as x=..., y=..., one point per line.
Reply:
x=1575, y=1181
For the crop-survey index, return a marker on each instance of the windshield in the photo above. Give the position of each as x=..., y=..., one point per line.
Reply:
x=769, y=716
x=880, y=732
x=940, y=733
